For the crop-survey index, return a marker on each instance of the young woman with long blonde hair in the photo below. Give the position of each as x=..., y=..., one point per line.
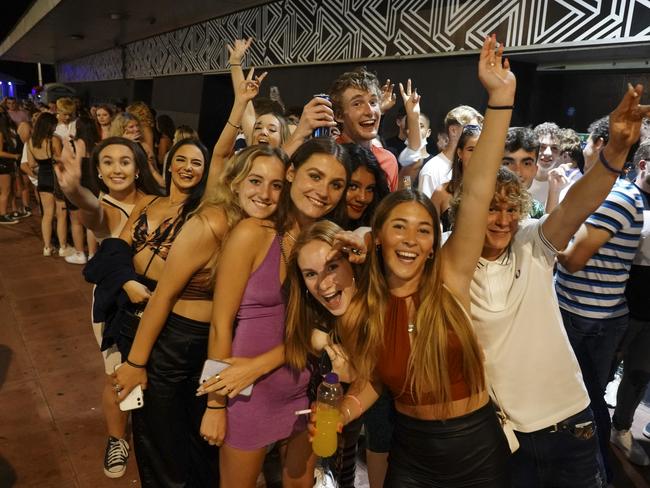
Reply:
x=409, y=329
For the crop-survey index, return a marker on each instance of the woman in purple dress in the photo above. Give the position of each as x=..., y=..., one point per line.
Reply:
x=248, y=292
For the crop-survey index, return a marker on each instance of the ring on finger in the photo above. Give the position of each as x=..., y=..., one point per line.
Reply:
x=356, y=252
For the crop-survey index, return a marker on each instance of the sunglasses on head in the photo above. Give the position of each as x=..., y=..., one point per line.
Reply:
x=471, y=128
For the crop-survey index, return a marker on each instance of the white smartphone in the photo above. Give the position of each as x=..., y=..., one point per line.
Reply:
x=213, y=366
x=135, y=399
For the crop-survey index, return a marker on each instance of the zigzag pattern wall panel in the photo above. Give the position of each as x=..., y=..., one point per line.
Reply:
x=315, y=31
x=106, y=65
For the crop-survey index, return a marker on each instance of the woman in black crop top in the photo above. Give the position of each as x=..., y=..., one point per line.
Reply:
x=414, y=297
x=173, y=333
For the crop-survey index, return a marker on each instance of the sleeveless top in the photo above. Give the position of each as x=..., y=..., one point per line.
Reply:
x=159, y=240
x=392, y=363
x=125, y=210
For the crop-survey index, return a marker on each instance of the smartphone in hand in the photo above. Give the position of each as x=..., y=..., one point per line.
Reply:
x=211, y=367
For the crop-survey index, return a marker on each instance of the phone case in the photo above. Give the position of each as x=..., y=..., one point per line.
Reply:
x=133, y=400
x=212, y=366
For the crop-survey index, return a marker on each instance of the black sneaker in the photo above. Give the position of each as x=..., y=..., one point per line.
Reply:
x=117, y=454
x=7, y=220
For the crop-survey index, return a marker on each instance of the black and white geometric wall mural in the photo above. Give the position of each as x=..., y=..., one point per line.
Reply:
x=319, y=31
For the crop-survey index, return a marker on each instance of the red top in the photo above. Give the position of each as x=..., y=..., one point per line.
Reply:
x=393, y=358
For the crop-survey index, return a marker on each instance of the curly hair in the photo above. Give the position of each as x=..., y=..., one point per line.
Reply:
x=142, y=112
x=508, y=189
x=462, y=115
x=522, y=138
x=599, y=129
x=547, y=128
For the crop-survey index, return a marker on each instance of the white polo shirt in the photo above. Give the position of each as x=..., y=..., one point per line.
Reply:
x=528, y=358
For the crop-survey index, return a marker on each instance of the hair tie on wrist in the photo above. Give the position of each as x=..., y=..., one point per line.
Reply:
x=140, y=366
x=501, y=107
x=215, y=408
x=238, y=127
x=609, y=167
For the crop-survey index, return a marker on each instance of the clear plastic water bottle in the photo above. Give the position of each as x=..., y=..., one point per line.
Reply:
x=327, y=415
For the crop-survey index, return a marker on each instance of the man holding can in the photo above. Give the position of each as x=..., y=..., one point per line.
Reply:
x=355, y=97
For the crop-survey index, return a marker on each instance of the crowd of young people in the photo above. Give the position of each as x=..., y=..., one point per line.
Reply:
x=296, y=249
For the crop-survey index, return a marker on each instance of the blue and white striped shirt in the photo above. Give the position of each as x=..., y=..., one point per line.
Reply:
x=598, y=290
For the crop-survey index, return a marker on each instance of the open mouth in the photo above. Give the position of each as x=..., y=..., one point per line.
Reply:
x=406, y=256
x=333, y=300
x=368, y=124
x=117, y=180
x=186, y=176
x=357, y=208
x=261, y=204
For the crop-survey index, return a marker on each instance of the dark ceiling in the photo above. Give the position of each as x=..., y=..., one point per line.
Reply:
x=75, y=28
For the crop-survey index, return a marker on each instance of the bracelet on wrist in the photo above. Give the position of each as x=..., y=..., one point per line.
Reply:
x=501, y=107
x=134, y=365
x=238, y=127
x=215, y=408
x=608, y=167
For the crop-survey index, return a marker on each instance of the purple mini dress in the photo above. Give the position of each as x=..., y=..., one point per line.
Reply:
x=268, y=415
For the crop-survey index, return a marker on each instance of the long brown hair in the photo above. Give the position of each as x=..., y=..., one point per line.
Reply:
x=439, y=314
x=303, y=310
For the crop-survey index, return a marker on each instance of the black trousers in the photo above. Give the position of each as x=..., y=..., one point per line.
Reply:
x=467, y=451
x=166, y=430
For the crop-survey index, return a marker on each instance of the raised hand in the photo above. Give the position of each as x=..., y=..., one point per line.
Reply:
x=557, y=179
x=250, y=87
x=68, y=168
x=410, y=97
x=625, y=120
x=494, y=73
x=238, y=50
x=387, y=97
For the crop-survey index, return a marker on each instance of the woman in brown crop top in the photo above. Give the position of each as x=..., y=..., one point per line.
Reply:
x=170, y=345
x=408, y=328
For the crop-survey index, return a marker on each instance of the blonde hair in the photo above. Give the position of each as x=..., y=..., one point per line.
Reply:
x=303, y=310
x=508, y=189
x=462, y=115
x=141, y=111
x=119, y=123
x=66, y=105
x=221, y=188
x=439, y=313
x=184, y=132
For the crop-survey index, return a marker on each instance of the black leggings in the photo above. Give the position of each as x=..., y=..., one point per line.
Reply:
x=166, y=430
x=468, y=451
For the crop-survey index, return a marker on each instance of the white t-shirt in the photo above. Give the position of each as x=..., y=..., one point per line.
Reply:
x=434, y=173
x=64, y=131
x=539, y=191
x=528, y=358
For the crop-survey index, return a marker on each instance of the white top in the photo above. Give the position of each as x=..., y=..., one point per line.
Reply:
x=539, y=191
x=64, y=131
x=528, y=358
x=434, y=173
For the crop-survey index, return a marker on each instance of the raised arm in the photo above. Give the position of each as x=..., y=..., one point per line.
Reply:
x=586, y=194
x=192, y=250
x=237, y=53
x=68, y=173
x=244, y=93
x=317, y=113
x=462, y=250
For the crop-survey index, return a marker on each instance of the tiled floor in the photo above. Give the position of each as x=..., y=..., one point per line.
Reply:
x=51, y=426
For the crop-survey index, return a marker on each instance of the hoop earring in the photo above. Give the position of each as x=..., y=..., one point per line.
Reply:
x=137, y=176
x=100, y=176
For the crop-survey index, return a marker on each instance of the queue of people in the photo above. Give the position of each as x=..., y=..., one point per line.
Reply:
x=428, y=283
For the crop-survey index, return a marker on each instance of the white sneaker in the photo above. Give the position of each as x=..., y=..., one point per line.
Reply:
x=65, y=251
x=630, y=447
x=76, y=258
x=646, y=430
x=611, y=391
